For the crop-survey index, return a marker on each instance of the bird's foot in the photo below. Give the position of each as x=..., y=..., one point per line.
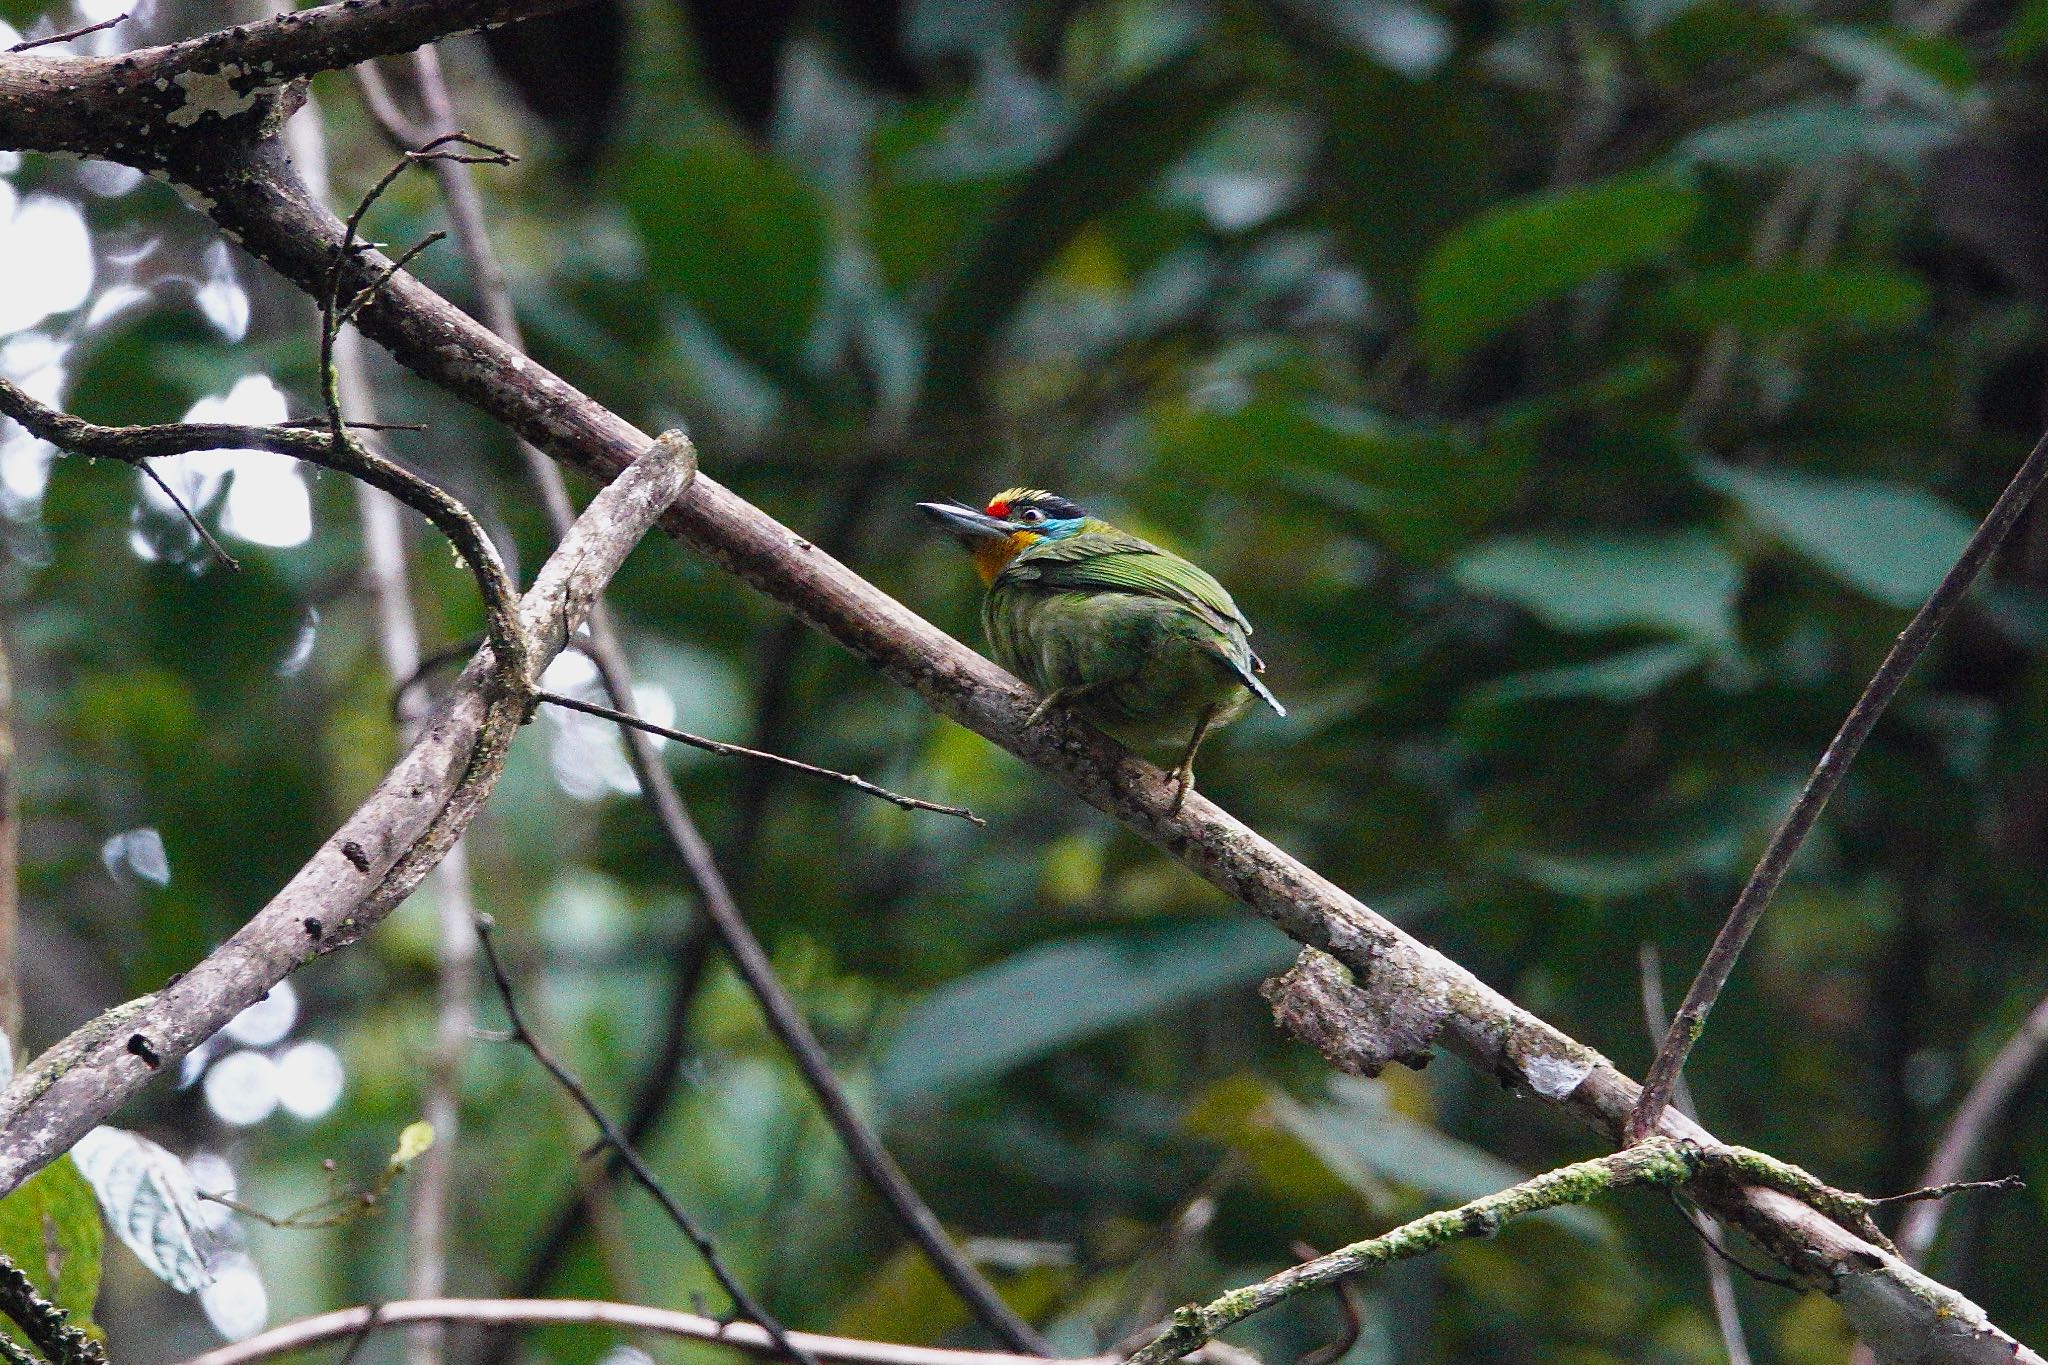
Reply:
x=1045, y=704
x=1183, y=783
x=1059, y=696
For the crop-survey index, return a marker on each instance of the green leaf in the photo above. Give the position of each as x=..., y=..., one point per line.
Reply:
x=1055, y=994
x=1791, y=298
x=1359, y=1128
x=50, y=1228
x=1498, y=267
x=1890, y=541
x=1885, y=70
x=1412, y=160
x=1683, y=584
x=738, y=236
x=1423, y=490
x=2028, y=32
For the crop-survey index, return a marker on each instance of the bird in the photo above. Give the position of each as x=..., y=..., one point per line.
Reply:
x=1143, y=645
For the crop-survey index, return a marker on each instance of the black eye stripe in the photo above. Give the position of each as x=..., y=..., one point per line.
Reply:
x=1054, y=507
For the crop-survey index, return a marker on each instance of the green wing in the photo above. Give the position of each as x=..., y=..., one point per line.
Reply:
x=1111, y=561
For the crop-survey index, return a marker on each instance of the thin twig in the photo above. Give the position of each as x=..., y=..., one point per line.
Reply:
x=1938, y=1192
x=719, y=746
x=191, y=518
x=624, y=1150
x=625, y=1317
x=1715, y=1255
x=319, y=423
x=133, y=445
x=1986, y=1099
x=1827, y=776
x=68, y=34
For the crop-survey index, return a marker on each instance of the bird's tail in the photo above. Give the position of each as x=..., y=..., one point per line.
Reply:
x=1249, y=675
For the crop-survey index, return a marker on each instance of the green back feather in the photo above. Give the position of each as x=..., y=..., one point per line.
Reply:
x=1100, y=558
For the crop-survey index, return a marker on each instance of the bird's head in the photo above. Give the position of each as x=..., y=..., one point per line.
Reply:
x=1013, y=519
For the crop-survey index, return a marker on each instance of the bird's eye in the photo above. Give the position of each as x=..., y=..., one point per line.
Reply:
x=1031, y=515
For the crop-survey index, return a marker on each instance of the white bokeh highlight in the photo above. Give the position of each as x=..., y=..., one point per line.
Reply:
x=241, y=1088
x=268, y=1020
x=310, y=1079
x=46, y=263
x=267, y=499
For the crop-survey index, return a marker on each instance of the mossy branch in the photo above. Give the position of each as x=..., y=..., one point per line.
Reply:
x=1655, y=1161
x=44, y=1323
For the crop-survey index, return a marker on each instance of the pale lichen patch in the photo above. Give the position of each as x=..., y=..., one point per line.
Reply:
x=210, y=92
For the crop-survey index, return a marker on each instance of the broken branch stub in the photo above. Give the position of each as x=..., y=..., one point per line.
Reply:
x=1359, y=1028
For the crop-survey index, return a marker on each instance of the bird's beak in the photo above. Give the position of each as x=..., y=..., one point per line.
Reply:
x=964, y=523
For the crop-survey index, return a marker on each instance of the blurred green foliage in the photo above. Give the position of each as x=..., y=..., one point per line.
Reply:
x=1575, y=397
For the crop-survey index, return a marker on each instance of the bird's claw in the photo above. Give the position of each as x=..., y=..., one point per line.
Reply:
x=1045, y=704
x=1183, y=783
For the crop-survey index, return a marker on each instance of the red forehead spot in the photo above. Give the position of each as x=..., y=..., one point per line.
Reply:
x=999, y=508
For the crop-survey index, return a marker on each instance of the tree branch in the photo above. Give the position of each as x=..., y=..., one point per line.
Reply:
x=364, y=870
x=741, y=1336
x=784, y=1019
x=144, y=98
x=238, y=174
x=1657, y=1161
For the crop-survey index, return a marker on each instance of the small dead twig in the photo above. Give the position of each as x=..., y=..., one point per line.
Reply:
x=333, y=316
x=136, y=445
x=68, y=34
x=191, y=518
x=1834, y=763
x=743, y=1302
x=1986, y=1099
x=719, y=746
x=1943, y=1191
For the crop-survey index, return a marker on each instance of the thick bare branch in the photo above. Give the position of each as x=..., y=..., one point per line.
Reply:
x=364, y=870
x=131, y=107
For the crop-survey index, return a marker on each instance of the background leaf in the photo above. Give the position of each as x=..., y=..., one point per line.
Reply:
x=1682, y=584
x=1496, y=268
x=1058, y=993
x=1889, y=541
